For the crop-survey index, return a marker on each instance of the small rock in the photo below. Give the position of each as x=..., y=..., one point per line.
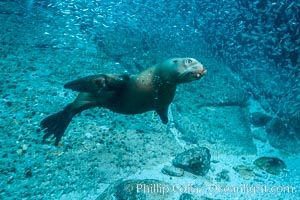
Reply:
x=259, y=119
x=172, y=171
x=186, y=196
x=147, y=189
x=196, y=161
x=28, y=173
x=271, y=165
x=223, y=175
x=245, y=171
x=260, y=134
x=10, y=180
x=24, y=147
x=19, y=151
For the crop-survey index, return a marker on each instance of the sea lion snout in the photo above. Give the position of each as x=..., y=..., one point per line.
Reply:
x=194, y=70
x=198, y=71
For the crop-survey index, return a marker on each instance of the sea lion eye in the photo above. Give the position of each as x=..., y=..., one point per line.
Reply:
x=188, y=61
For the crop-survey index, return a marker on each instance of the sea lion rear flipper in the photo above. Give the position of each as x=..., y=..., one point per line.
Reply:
x=163, y=114
x=96, y=83
x=56, y=124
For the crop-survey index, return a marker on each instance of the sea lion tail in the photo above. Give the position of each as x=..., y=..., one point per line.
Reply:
x=56, y=124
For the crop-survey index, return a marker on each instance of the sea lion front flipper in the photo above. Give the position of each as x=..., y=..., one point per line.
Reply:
x=96, y=83
x=163, y=114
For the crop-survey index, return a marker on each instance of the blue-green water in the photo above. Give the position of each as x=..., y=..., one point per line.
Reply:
x=245, y=107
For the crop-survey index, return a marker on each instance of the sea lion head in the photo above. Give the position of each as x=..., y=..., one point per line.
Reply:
x=183, y=70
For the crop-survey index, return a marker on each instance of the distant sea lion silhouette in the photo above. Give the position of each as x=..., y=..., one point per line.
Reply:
x=152, y=89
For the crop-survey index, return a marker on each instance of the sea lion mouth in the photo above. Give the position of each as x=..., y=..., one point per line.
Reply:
x=196, y=73
x=201, y=73
x=192, y=74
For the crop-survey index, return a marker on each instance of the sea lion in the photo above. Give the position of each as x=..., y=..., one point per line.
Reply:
x=152, y=89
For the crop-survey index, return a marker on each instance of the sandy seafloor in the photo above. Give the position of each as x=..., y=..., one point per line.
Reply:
x=100, y=147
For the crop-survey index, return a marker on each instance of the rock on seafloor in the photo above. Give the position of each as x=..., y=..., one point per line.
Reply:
x=271, y=165
x=195, y=161
x=259, y=119
x=172, y=171
x=246, y=172
x=147, y=189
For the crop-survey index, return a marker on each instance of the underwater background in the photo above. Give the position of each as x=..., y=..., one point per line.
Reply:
x=239, y=125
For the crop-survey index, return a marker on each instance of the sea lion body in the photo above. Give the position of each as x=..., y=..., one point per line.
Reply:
x=151, y=89
x=144, y=92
